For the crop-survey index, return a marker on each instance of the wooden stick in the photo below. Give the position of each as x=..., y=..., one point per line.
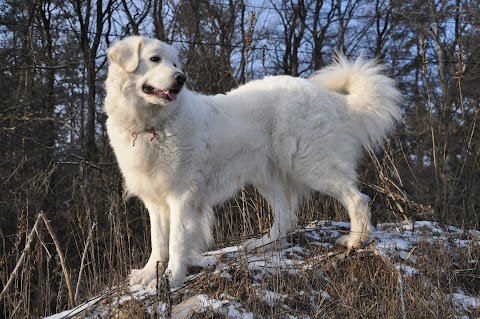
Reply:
x=22, y=257
x=90, y=233
x=62, y=262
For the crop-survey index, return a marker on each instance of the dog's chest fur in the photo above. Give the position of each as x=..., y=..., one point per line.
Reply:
x=150, y=161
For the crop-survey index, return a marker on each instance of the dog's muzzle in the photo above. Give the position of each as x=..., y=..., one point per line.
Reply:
x=170, y=93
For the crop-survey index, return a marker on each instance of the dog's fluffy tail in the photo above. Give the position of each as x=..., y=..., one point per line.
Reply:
x=372, y=96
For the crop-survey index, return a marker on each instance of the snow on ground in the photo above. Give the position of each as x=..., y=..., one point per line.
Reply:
x=396, y=242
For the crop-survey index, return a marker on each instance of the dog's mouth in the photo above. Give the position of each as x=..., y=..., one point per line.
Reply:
x=170, y=94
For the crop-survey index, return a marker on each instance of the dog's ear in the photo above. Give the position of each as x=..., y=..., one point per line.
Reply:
x=126, y=53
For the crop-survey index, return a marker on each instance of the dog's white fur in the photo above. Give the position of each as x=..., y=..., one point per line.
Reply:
x=284, y=135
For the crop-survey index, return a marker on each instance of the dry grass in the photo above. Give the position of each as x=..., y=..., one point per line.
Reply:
x=363, y=284
x=327, y=283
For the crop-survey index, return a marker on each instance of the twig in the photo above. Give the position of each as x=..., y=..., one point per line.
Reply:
x=62, y=261
x=80, y=272
x=248, y=41
x=22, y=257
x=402, y=293
x=401, y=285
x=264, y=54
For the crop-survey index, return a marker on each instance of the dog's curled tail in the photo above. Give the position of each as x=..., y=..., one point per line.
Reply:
x=373, y=97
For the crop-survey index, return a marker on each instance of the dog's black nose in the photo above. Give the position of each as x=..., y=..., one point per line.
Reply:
x=179, y=78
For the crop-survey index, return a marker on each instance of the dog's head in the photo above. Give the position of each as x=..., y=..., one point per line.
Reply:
x=153, y=66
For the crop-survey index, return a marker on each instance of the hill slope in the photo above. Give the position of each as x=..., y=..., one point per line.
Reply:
x=419, y=270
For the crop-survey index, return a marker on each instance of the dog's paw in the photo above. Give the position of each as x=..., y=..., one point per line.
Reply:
x=146, y=276
x=142, y=276
x=173, y=281
x=352, y=240
x=149, y=276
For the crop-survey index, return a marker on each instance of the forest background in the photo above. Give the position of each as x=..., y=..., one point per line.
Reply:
x=56, y=159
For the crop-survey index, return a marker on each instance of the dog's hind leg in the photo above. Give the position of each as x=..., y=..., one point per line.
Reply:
x=356, y=205
x=160, y=230
x=283, y=204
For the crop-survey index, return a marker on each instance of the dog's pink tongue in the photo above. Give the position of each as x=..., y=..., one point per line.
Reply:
x=171, y=95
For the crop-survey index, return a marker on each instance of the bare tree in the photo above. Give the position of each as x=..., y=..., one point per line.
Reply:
x=158, y=20
x=136, y=13
x=293, y=16
x=207, y=31
x=383, y=27
x=93, y=18
x=345, y=14
x=323, y=18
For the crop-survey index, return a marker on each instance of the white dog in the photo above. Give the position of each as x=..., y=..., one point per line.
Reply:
x=182, y=152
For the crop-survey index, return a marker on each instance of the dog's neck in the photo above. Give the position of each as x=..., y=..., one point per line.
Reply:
x=150, y=131
x=139, y=118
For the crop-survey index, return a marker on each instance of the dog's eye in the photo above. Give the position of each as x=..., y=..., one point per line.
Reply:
x=174, y=65
x=155, y=59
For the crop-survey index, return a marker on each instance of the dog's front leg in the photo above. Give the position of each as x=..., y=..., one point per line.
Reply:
x=160, y=231
x=184, y=235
